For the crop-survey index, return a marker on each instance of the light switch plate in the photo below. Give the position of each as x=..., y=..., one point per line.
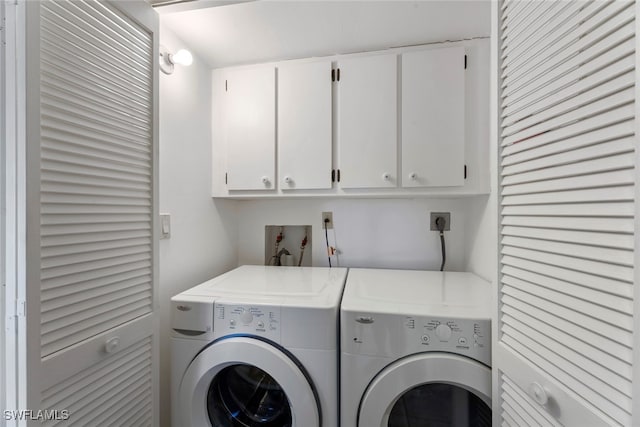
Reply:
x=165, y=226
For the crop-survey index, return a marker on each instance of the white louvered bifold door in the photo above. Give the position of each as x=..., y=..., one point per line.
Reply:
x=91, y=267
x=567, y=176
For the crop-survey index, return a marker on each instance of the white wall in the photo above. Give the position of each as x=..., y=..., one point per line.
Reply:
x=382, y=233
x=203, y=239
x=3, y=106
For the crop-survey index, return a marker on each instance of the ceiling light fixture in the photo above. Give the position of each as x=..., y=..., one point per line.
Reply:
x=168, y=59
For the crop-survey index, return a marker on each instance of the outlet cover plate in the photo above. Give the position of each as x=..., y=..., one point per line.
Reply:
x=327, y=215
x=447, y=219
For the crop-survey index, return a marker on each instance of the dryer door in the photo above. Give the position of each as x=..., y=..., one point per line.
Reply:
x=429, y=389
x=242, y=381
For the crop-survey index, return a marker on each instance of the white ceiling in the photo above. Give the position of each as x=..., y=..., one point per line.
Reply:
x=262, y=31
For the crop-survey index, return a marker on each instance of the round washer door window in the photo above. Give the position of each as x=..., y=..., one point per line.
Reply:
x=434, y=389
x=246, y=382
x=439, y=404
x=245, y=395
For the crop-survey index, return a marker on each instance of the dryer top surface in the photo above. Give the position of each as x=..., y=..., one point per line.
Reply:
x=406, y=292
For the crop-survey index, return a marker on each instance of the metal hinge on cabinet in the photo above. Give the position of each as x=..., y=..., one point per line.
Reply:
x=226, y=88
x=335, y=75
x=338, y=175
x=465, y=171
x=333, y=175
x=465, y=62
x=226, y=176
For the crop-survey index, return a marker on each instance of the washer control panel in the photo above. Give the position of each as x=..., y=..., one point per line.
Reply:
x=261, y=320
x=396, y=336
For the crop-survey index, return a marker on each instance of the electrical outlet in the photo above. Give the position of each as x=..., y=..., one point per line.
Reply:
x=327, y=216
x=447, y=220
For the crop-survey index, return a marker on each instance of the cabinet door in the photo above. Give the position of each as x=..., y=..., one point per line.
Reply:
x=367, y=123
x=304, y=125
x=251, y=128
x=433, y=118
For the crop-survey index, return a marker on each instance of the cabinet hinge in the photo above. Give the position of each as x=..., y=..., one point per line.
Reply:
x=338, y=175
x=333, y=175
x=226, y=177
x=465, y=62
x=333, y=75
x=465, y=171
x=338, y=78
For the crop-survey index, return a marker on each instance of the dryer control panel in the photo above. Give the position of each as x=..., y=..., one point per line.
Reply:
x=260, y=320
x=392, y=335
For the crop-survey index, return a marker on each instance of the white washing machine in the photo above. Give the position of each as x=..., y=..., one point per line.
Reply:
x=257, y=347
x=415, y=349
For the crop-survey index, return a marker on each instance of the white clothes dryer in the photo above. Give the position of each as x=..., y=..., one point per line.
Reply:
x=257, y=347
x=415, y=349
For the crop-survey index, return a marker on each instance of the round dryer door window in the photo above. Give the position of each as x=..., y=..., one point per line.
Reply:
x=245, y=395
x=440, y=404
x=246, y=382
x=428, y=389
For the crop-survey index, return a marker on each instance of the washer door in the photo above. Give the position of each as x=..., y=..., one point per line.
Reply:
x=435, y=389
x=246, y=382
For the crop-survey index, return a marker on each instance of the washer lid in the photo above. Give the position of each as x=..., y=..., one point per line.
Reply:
x=407, y=292
x=285, y=286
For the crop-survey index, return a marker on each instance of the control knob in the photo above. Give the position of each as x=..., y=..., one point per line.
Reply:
x=246, y=317
x=443, y=332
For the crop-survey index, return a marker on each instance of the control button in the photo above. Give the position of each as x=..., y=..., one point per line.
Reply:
x=425, y=338
x=462, y=341
x=443, y=332
x=475, y=336
x=246, y=317
x=475, y=344
x=273, y=326
x=261, y=324
x=232, y=322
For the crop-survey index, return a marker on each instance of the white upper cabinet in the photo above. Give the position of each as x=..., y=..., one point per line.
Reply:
x=402, y=122
x=250, y=128
x=304, y=125
x=367, y=121
x=433, y=117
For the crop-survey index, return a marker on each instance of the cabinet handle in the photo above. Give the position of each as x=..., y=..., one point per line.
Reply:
x=386, y=176
x=112, y=344
x=413, y=176
x=288, y=180
x=265, y=180
x=538, y=393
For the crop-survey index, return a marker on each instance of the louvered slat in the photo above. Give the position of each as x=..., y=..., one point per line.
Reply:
x=112, y=388
x=567, y=208
x=613, y=256
x=558, y=56
x=513, y=396
x=573, y=380
x=553, y=18
x=601, y=106
x=96, y=172
x=609, y=148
